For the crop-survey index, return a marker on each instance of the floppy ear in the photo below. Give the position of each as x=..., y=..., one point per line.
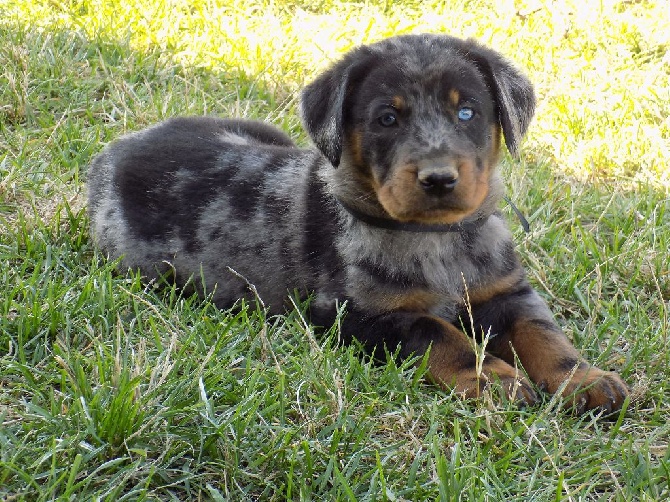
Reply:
x=513, y=92
x=323, y=102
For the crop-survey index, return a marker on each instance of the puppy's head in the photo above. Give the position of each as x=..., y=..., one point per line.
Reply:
x=419, y=119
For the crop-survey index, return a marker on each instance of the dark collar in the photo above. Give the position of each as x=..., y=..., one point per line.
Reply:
x=390, y=224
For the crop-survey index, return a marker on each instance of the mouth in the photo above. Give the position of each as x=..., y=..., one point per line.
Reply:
x=435, y=206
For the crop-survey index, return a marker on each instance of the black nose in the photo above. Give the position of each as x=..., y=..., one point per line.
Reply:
x=439, y=183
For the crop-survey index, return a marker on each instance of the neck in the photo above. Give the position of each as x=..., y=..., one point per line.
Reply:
x=409, y=226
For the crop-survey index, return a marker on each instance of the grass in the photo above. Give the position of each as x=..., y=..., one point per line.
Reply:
x=110, y=390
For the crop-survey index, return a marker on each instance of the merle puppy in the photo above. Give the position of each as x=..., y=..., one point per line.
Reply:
x=395, y=213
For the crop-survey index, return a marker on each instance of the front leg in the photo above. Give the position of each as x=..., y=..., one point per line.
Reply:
x=452, y=362
x=524, y=327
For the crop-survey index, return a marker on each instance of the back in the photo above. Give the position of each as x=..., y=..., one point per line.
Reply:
x=190, y=196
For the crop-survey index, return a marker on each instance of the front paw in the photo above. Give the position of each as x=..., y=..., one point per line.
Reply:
x=516, y=387
x=591, y=388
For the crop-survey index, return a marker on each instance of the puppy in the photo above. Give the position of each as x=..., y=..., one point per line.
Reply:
x=395, y=213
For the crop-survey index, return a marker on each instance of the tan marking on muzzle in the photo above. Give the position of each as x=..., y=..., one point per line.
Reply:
x=403, y=197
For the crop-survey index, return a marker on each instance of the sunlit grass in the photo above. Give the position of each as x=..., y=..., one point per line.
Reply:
x=602, y=68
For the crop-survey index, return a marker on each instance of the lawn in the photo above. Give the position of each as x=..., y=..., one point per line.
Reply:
x=112, y=390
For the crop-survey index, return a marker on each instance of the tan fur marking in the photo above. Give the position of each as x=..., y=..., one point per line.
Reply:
x=403, y=198
x=475, y=184
x=539, y=351
x=445, y=368
x=454, y=97
x=356, y=146
x=501, y=285
x=398, y=102
x=541, y=354
x=418, y=300
x=360, y=181
x=496, y=136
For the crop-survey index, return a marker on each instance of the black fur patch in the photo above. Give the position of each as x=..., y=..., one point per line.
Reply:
x=500, y=313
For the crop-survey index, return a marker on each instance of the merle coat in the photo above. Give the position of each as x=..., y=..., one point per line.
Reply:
x=394, y=213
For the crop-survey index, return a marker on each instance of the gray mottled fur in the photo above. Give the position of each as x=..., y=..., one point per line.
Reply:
x=222, y=204
x=266, y=248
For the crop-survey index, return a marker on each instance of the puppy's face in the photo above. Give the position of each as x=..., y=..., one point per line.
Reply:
x=427, y=141
x=418, y=120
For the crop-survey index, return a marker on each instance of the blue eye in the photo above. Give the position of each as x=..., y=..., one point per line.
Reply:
x=465, y=113
x=388, y=120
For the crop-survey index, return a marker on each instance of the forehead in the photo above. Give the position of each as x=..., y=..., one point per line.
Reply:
x=425, y=72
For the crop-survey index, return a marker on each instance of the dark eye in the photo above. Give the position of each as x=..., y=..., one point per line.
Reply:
x=465, y=113
x=388, y=119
